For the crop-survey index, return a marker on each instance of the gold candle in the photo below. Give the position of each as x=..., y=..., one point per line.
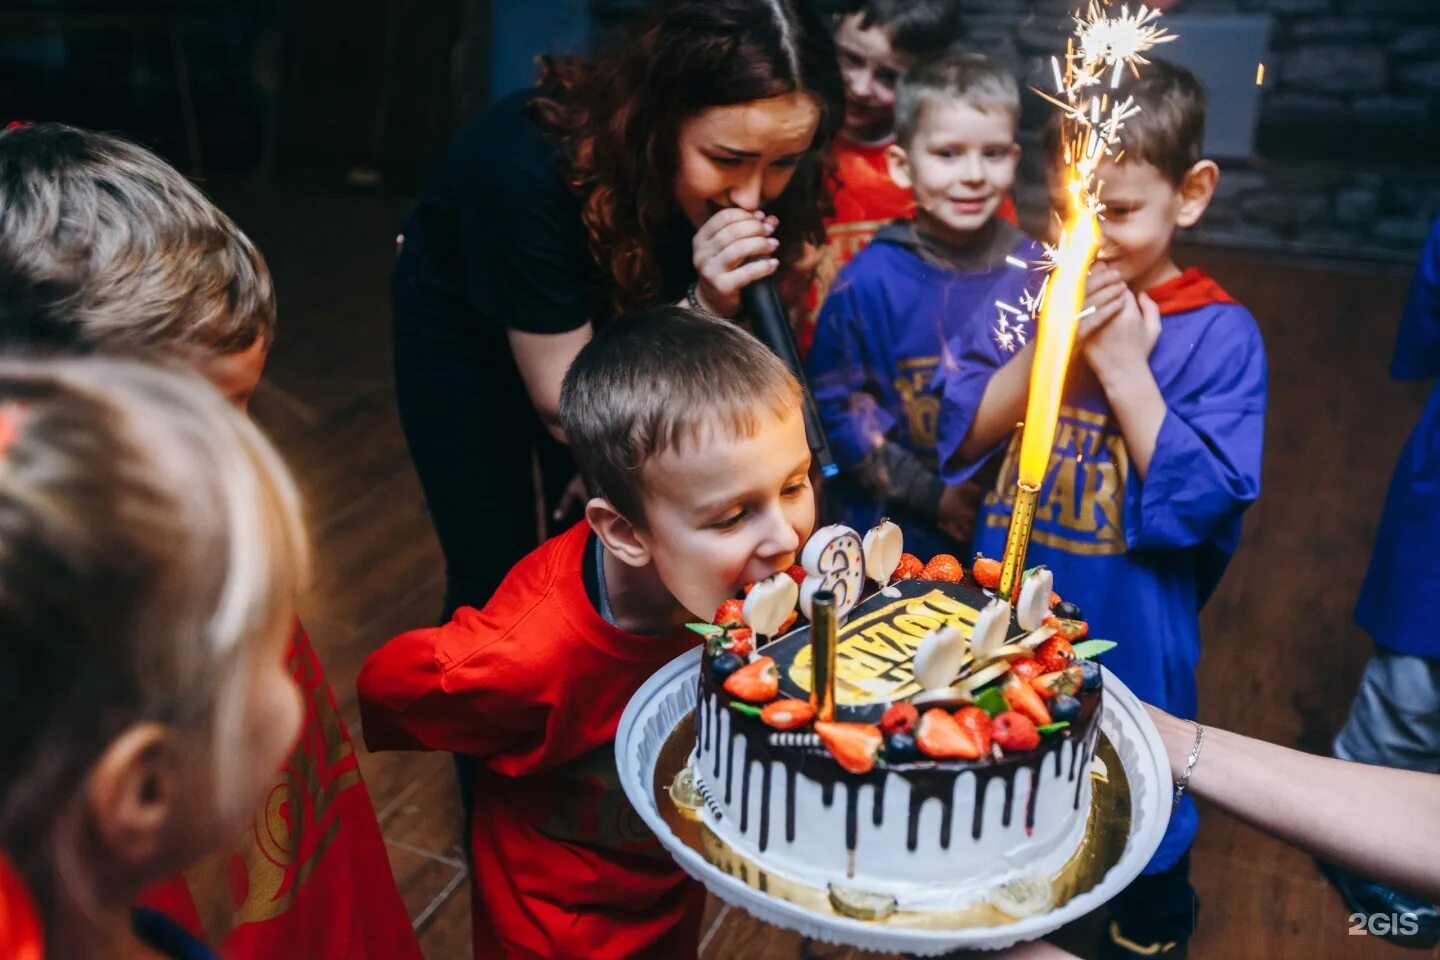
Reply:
x=1017, y=541
x=824, y=633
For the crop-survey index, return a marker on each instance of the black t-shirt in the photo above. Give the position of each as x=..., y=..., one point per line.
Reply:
x=496, y=241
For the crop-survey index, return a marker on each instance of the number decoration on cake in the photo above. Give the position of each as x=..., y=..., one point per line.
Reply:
x=883, y=546
x=770, y=603
x=834, y=560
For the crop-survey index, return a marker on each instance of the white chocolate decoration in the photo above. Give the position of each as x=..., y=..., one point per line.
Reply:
x=834, y=560
x=883, y=546
x=770, y=603
x=938, y=658
x=990, y=629
x=1034, y=605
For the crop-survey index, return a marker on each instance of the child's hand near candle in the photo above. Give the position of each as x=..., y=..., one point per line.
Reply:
x=1117, y=340
x=1105, y=294
x=1119, y=348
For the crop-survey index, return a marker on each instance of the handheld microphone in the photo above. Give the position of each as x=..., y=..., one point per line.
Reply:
x=761, y=303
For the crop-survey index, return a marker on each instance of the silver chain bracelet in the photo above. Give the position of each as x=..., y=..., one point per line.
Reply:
x=693, y=296
x=1184, y=780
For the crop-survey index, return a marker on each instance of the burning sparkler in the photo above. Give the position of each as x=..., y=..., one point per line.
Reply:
x=1103, y=47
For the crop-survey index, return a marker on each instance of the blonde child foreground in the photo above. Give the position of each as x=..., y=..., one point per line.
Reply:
x=151, y=550
x=105, y=248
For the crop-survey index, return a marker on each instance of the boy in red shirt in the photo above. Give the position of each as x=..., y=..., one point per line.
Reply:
x=689, y=435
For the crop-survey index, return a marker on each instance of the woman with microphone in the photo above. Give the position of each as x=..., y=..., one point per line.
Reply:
x=682, y=168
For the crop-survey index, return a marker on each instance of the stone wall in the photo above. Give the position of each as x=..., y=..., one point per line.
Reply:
x=1347, y=158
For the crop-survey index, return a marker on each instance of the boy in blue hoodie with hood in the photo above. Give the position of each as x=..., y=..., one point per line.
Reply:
x=883, y=328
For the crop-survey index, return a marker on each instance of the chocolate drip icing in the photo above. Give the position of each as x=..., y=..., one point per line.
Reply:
x=744, y=793
x=1030, y=803
x=718, y=725
x=764, y=805
x=789, y=803
x=940, y=787
x=1009, y=796
x=982, y=784
x=852, y=801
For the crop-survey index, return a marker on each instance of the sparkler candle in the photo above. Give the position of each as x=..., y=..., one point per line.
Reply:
x=1091, y=125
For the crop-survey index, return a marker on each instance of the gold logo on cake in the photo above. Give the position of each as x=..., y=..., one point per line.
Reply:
x=875, y=651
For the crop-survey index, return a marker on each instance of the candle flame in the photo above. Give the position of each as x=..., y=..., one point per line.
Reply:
x=1105, y=44
x=1059, y=316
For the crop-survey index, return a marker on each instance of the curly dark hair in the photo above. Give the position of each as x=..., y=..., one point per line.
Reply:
x=619, y=118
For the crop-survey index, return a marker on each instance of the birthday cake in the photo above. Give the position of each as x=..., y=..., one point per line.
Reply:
x=955, y=762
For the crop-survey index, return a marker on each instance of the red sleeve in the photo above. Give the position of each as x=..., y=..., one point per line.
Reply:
x=450, y=688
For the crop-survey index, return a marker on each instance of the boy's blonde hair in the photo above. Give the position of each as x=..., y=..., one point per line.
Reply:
x=970, y=78
x=655, y=381
x=148, y=535
x=104, y=246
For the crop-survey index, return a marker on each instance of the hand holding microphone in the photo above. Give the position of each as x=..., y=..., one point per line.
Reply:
x=732, y=250
x=762, y=304
x=735, y=267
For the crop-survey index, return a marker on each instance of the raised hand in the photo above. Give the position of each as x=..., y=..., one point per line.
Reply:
x=1121, y=346
x=1105, y=294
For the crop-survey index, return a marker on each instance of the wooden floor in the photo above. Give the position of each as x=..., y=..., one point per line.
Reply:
x=1281, y=655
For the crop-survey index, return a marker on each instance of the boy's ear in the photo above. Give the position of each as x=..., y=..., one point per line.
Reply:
x=899, y=163
x=132, y=794
x=1196, y=191
x=619, y=535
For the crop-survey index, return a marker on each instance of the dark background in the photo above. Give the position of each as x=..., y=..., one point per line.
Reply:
x=1337, y=154
x=360, y=93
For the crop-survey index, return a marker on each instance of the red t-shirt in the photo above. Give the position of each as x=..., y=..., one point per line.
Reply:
x=866, y=199
x=533, y=686
x=310, y=878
